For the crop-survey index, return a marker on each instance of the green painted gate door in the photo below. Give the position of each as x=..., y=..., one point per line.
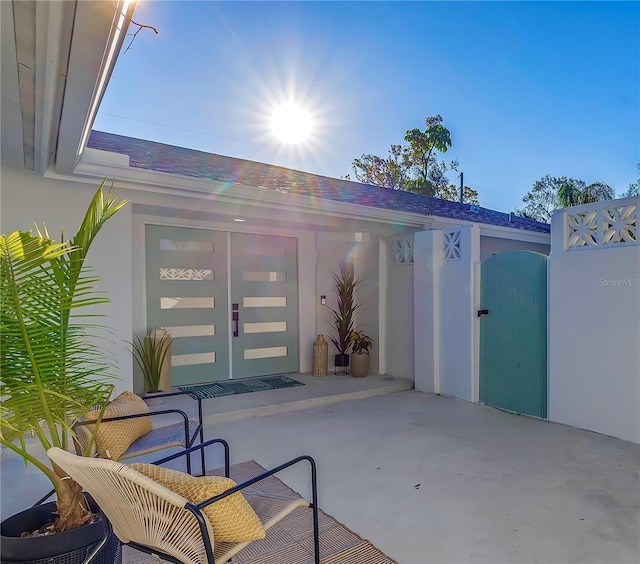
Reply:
x=513, y=334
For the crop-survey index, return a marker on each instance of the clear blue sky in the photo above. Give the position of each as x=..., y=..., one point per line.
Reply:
x=526, y=88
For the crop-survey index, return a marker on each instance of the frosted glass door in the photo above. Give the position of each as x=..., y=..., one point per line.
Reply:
x=264, y=305
x=187, y=294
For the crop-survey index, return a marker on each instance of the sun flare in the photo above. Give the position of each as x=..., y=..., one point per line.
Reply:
x=291, y=123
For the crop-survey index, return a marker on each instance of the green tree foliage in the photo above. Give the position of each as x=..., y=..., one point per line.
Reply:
x=414, y=166
x=632, y=190
x=553, y=192
x=452, y=192
x=576, y=192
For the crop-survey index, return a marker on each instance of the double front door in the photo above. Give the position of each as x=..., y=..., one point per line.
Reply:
x=229, y=301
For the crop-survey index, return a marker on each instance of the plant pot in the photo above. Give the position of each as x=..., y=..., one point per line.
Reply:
x=68, y=547
x=342, y=361
x=154, y=399
x=359, y=365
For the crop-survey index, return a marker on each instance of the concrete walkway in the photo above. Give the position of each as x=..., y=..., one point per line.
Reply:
x=429, y=479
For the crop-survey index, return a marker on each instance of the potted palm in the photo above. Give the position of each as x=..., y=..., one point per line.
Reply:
x=150, y=354
x=53, y=367
x=360, y=345
x=343, y=316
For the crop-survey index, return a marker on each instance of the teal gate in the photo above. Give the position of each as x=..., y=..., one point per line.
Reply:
x=513, y=332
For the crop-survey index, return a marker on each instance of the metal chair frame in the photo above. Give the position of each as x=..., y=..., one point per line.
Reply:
x=196, y=508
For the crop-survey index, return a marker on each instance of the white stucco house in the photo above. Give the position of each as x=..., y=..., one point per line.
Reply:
x=236, y=256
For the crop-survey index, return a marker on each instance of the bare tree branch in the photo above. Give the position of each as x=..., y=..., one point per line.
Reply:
x=140, y=28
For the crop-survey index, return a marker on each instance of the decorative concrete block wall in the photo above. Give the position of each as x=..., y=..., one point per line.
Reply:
x=594, y=318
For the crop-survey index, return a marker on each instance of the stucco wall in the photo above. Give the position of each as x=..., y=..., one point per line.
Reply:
x=426, y=282
x=399, y=314
x=362, y=251
x=490, y=246
x=458, y=324
x=445, y=325
x=29, y=198
x=594, y=324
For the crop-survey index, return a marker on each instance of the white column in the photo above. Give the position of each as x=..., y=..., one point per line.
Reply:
x=427, y=257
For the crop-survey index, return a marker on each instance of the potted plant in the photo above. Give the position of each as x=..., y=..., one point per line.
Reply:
x=53, y=367
x=360, y=345
x=151, y=354
x=343, y=316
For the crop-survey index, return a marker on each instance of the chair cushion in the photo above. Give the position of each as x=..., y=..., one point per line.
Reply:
x=114, y=437
x=232, y=518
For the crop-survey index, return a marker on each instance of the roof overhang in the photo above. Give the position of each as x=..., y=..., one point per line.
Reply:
x=98, y=34
x=96, y=164
x=57, y=58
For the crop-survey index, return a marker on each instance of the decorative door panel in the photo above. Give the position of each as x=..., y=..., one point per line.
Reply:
x=264, y=304
x=187, y=294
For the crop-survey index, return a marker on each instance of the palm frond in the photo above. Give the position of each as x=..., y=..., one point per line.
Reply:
x=53, y=368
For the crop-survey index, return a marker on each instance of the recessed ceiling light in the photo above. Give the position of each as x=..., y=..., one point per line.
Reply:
x=238, y=219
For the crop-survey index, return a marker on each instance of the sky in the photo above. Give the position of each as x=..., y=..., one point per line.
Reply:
x=525, y=88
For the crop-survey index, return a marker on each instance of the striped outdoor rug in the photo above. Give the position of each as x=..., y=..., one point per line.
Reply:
x=231, y=387
x=291, y=540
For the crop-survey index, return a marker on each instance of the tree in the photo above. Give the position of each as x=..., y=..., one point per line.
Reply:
x=452, y=192
x=413, y=167
x=390, y=172
x=576, y=192
x=551, y=192
x=632, y=190
x=542, y=199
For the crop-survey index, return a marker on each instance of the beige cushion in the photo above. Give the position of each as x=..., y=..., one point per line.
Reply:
x=115, y=437
x=232, y=518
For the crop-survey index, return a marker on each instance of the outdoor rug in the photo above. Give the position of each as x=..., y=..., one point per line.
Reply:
x=291, y=540
x=231, y=387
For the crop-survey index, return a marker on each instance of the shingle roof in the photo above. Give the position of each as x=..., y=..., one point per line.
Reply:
x=151, y=155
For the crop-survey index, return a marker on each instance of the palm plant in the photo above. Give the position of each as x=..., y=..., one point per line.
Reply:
x=53, y=369
x=150, y=354
x=346, y=285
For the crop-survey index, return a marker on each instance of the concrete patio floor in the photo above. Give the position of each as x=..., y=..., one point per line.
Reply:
x=430, y=479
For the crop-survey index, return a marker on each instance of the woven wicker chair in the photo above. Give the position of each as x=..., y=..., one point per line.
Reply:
x=153, y=519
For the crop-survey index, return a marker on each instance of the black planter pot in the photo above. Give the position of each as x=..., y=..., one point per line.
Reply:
x=70, y=547
x=342, y=360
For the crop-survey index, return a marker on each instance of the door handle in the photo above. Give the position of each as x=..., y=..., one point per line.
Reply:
x=235, y=316
x=482, y=312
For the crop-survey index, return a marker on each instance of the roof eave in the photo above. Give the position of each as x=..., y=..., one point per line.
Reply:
x=99, y=30
x=98, y=164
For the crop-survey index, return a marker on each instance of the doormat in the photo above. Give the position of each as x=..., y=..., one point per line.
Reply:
x=232, y=387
